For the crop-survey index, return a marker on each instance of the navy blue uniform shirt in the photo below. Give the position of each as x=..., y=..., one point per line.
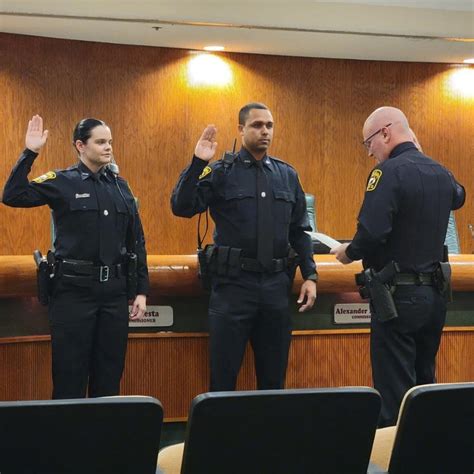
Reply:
x=405, y=213
x=91, y=217
x=231, y=195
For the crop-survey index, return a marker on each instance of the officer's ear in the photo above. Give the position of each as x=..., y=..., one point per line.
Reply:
x=241, y=129
x=79, y=145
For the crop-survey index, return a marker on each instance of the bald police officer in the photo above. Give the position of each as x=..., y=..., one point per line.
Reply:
x=403, y=219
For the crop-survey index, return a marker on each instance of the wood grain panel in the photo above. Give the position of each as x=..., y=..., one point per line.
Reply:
x=319, y=106
x=174, y=368
x=177, y=275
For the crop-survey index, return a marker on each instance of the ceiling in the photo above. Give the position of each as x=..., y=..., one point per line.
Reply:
x=406, y=30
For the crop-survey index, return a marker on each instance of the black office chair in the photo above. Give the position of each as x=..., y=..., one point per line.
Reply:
x=118, y=435
x=434, y=433
x=277, y=432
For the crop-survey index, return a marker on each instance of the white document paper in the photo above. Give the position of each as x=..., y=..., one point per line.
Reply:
x=324, y=239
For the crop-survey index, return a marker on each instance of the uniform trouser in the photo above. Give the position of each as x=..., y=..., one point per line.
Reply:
x=252, y=306
x=403, y=350
x=89, y=332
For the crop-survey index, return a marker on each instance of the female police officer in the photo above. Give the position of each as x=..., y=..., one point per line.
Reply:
x=97, y=226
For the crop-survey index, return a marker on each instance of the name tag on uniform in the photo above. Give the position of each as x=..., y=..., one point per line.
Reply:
x=80, y=196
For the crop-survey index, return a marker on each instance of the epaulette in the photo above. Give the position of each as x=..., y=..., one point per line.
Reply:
x=71, y=168
x=281, y=161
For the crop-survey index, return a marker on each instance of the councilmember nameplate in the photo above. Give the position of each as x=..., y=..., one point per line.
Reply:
x=155, y=316
x=352, y=313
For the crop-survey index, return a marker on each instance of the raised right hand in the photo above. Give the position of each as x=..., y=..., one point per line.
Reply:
x=206, y=146
x=35, y=136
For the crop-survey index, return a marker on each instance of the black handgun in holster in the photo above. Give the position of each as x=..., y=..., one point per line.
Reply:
x=379, y=288
x=132, y=275
x=442, y=276
x=44, y=275
x=205, y=256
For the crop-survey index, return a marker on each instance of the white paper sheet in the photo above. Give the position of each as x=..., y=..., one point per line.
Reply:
x=324, y=239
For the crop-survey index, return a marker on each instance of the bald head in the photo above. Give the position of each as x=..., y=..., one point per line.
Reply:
x=388, y=127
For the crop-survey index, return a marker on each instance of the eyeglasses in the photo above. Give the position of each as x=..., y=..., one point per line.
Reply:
x=368, y=140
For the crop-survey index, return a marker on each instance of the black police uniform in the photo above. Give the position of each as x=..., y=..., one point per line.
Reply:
x=404, y=218
x=94, y=215
x=248, y=302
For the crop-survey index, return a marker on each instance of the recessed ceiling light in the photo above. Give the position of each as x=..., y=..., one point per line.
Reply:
x=213, y=48
x=469, y=61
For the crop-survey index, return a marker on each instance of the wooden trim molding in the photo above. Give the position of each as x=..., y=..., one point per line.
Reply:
x=176, y=275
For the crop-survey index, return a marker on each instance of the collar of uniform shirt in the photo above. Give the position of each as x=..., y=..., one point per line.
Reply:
x=248, y=159
x=400, y=148
x=87, y=173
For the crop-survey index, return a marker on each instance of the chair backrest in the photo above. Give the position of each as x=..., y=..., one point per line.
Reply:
x=435, y=430
x=98, y=435
x=452, y=236
x=281, y=431
x=311, y=210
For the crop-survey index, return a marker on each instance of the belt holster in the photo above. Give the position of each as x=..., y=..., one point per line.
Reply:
x=44, y=275
x=205, y=259
x=442, y=280
x=222, y=257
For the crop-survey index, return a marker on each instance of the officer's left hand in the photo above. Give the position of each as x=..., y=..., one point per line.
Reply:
x=138, y=307
x=307, y=295
x=340, y=253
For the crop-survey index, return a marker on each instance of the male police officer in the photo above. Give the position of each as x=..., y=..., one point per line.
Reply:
x=259, y=209
x=403, y=219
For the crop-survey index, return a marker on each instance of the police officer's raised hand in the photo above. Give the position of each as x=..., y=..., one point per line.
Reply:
x=340, y=253
x=206, y=146
x=35, y=136
x=307, y=295
x=138, y=307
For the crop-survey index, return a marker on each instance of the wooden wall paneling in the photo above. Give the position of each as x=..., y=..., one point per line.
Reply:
x=174, y=368
x=454, y=362
x=25, y=367
x=319, y=106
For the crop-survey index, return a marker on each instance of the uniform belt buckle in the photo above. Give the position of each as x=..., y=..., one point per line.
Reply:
x=104, y=274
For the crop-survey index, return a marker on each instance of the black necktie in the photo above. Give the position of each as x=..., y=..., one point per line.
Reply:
x=264, y=219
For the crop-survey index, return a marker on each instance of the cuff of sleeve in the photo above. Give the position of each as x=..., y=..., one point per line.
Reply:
x=143, y=290
x=307, y=270
x=27, y=153
x=313, y=277
x=198, y=163
x=351, y=253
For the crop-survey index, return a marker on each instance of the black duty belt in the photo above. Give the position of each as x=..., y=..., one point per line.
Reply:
x=414, y=279
x=81, y=268
x=253, y=265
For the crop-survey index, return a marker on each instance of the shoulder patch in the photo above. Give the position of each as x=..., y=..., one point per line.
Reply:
x=45, y=177
x=374, y=179
x=205, y=172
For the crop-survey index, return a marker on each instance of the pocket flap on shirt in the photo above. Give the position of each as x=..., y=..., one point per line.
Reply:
x=238, y=193
x=84, y=204
x=283, y=194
